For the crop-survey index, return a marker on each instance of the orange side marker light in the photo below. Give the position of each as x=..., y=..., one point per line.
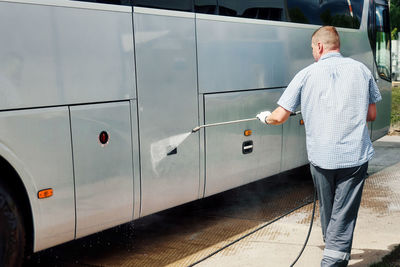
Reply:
x=45, y=193
x=301, y=122
x=247, y=132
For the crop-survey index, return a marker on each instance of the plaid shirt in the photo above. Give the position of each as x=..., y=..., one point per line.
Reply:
x=334, y=94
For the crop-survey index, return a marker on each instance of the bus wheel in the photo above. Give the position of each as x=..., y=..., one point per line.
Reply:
x=12, y=232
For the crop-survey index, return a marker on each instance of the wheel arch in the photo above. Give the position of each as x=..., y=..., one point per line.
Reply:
x=14, y=183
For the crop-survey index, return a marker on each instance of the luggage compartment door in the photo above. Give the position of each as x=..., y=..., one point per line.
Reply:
x=102, y=156
x=233, y=159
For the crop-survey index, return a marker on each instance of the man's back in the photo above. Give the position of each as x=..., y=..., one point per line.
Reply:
x=335, y=94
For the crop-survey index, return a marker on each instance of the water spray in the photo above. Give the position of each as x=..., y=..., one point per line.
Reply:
x=167, y=146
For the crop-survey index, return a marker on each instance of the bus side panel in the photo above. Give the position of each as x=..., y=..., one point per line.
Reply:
x=103, y=171
x=244, y=55
x=69, y=55
x=355, y=44
x=233, y=159
x=168, y=108
x=135, y=159
x=294, y=150
x=38, y=142
x=380, y=126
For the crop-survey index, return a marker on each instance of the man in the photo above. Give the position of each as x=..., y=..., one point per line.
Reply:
x=337, y=97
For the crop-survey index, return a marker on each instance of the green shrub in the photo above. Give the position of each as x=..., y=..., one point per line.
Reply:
x=395, y=116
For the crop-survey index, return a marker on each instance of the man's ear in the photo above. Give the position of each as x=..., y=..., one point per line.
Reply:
x=320, y=47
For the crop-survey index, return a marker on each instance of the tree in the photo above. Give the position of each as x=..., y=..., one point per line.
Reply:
x=394, y=17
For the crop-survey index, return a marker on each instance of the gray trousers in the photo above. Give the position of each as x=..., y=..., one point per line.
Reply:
x=339, y=193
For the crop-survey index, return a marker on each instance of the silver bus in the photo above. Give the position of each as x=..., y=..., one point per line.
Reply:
x=98, y=100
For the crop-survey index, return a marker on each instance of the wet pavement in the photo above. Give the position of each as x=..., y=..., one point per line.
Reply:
x=188, y=234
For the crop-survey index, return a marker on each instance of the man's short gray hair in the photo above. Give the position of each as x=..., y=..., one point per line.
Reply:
x=327, y=35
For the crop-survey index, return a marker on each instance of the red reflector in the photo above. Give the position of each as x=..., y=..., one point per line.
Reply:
x=103, y=137
x=45, y=193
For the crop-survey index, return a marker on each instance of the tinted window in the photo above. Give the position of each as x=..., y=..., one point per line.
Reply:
x=342, y=13
x=206, y=6
x=255, y=9
x=180, y=5
x=111, y=2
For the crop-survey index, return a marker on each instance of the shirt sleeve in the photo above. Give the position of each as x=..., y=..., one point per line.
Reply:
x=374, y=94
x=290, y=98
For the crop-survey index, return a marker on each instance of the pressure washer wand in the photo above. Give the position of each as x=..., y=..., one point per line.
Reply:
x=220, y=123
x=230, y=122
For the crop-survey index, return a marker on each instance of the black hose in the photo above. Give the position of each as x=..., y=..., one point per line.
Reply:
x=309, y=229
x=261, y=227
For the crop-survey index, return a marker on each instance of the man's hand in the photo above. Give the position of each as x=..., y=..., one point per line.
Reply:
x=371, y=115
x=262, y=116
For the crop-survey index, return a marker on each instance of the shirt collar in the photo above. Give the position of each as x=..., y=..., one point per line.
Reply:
x=330, y=54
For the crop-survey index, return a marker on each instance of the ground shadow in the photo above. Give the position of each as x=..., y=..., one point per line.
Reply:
x=367, y=256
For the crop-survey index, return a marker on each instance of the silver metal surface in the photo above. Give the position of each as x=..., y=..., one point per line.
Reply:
x=69, y=55
x=163, y=12
x=380, y=126
x=74, y=4
x=37, y=143
x=294, y=151
x=226, y=166
x=202, y=143
x=136, y=159
x=240, y=56
x=168, y=109
x=103, y=173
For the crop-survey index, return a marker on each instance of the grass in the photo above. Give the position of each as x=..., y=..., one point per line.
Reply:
x=395, y=116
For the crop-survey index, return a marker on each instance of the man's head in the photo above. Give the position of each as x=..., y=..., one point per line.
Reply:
x=324, y=40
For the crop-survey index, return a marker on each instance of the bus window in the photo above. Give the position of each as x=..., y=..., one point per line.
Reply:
x=254, y=9
x=179, y=5
x=382, y=41
x=343, y=13
x=111, y=2
x=206, y=6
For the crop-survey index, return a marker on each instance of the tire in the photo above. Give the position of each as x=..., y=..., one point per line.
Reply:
x=12, y=232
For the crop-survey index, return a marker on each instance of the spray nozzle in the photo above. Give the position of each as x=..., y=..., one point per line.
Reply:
x=196, y=129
